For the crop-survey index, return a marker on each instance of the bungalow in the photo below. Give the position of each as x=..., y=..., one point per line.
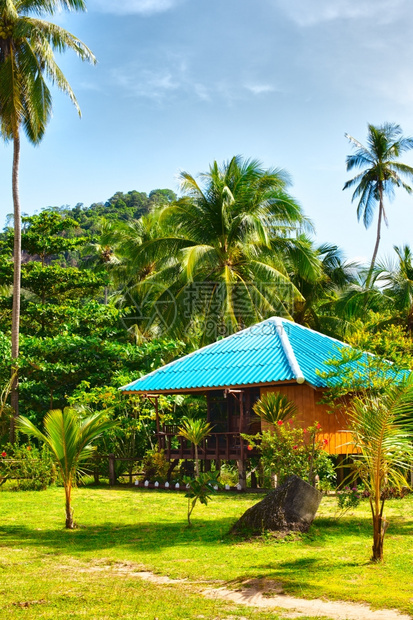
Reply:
x=276, y=355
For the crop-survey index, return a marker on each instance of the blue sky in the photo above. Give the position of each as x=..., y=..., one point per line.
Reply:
x=180, y=83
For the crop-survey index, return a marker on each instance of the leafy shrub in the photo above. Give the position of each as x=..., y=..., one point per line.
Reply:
x=348, y=498
x=228, y=474
x=155, y=466
x=394, y=493
x=287, y=450
x=28, y=468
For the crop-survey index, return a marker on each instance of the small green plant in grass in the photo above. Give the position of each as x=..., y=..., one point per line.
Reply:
x=69, y=437
x=348, y=498
x=200, y=489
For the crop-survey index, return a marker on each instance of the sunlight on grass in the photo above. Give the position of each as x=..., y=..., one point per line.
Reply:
x=121, y=531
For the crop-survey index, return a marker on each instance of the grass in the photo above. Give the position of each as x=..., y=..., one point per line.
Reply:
x=48, y=572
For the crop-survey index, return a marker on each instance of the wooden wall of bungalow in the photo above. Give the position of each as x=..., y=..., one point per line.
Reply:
x=310, y=410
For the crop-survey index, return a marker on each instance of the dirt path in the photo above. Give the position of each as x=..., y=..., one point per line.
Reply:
x=260, y=594
x=254, y=596
x=267, y=594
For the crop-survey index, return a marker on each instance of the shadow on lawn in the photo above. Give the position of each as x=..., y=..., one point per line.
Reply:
x=325, y=527
x=147, y=536
x=142, y=536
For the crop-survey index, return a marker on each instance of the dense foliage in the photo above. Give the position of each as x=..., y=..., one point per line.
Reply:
x=114, y=290
x=27, y=468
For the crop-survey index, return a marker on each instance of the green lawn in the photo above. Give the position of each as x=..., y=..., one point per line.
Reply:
x=86, y=573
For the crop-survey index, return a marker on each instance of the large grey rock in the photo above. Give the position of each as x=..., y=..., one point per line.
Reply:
x=290, y=507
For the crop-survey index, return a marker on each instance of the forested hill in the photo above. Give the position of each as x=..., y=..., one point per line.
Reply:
x=120, y=207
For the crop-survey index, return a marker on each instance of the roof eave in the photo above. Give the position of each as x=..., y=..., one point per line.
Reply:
x=221, y=387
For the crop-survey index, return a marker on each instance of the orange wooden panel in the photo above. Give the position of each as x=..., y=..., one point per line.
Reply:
x=334, y=425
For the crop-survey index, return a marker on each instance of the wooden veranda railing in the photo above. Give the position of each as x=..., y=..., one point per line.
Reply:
x=217, y=446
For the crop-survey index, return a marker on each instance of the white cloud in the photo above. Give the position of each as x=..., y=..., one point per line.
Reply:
x=167, y=74
x=311, y=12
x=259, y=89
x=159, y=80
x=133, y=7
x=202, y=92
x=147, y=83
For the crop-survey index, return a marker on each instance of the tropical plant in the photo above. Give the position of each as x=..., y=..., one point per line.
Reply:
x=226, y=250
x=195, y=431
x=288, y=449
x=381, y=426
x=318, y=309
x=69, y=437
x=155, y=466
x=382, y=173
x=200, y=488
x=26, y=62
x=380, y=334
x=273, y=407
x=347, y=498
x=397, y=279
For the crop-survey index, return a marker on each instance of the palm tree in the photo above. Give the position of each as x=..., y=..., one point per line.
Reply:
x=320, y=294
x=69, y=437
x=381, y=425
x=26, y=62
x=275, y=407
x=128, y=269
x=381, y=175
x=397, y=280
x=226, y=249
x=195, y=431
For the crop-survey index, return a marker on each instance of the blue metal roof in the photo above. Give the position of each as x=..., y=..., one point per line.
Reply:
x=275, y=350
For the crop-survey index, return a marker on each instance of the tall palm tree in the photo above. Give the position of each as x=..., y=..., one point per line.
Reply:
x=69, y=438
x=226, y=249
x=27, y=62
x=381, y=425
x=382, y=173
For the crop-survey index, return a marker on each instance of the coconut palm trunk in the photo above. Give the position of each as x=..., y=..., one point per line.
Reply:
x=16, y=284
x=27, y=44
x=379, y=523
x=378, y=237
x=378, y=536
x=69, y=510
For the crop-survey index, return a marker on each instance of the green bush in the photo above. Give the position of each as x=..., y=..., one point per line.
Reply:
x=26, y=468
x=287, y=450
x=155, y=466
